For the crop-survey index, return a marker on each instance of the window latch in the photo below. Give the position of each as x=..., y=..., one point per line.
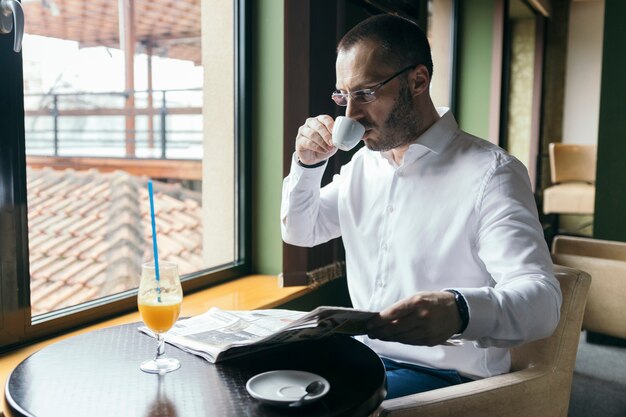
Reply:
x=12, y=16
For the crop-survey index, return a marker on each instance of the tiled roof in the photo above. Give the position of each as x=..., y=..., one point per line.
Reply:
x=89, y=233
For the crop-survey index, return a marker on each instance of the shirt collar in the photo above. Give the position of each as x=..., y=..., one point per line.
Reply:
x=437, y=136
x=434, y=139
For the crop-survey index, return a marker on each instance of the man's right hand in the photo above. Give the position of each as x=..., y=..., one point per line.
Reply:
x=314, y=141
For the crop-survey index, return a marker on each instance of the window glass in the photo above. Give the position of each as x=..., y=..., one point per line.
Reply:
x=106, y=113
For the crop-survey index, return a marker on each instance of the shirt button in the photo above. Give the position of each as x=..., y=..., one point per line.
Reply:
x=381, y=284
x=389, y=209
x=384, y=246
x=400, y=173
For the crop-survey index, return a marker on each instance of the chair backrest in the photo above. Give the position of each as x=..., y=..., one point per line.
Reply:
x=558, y=351
x=570, y=162
x=606, y=261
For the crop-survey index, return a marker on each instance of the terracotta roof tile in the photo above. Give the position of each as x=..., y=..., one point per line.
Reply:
x=83, y=246
x=79, y=297
x=89, y=232
x=172, y=221
x=77, y=228
x=43, y=291
x=191, y=204
x=92, y=274
x=62, y=248
x=169, y=246
x=195, y=259
x=88, y=274
x=97, y=252
x=183, y=264
x=34, y=215
x=90, y=208
x=34, y=285
x=68, y=274
x=170, y=204
x=39, y=264
x=96, y=226
x=52, y=242
x=59, y=296
x=185, y=241
x=50, y=220
x=59, y=204
x=97, y=191
x=35, y=238
x=63, y=223
x=52, y=268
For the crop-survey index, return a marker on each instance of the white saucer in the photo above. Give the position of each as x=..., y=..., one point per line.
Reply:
x=284, y=387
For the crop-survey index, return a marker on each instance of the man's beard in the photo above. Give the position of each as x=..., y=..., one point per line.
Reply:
x=402, y=125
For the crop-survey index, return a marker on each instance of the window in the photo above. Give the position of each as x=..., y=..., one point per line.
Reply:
x=89, y=120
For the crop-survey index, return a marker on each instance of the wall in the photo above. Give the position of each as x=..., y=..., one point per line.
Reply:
x=610, y=211
x=519, y=127
x=474, y=63
x=218, y=124
x=267, y=135
x=584, y=67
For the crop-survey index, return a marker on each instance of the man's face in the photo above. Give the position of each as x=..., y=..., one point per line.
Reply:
x=392, y=119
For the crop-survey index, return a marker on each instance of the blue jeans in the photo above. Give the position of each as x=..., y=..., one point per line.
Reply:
x=405, y=379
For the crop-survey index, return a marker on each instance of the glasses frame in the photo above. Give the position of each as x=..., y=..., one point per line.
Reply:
x=360, y=95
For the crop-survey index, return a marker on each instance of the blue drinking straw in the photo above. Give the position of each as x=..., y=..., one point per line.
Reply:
x=154, y=241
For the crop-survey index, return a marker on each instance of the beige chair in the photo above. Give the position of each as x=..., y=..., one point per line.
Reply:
x=573, y=176
x=606, y=262
x=540, y=380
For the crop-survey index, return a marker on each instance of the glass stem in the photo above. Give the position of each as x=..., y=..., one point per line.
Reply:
x=160, y=347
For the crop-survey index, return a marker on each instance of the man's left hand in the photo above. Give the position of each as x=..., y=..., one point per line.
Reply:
x=426, y=318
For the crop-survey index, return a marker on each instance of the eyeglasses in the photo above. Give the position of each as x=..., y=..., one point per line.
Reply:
x=367, y=95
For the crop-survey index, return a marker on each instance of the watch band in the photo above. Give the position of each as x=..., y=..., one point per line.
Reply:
x=461, y=304
x=319, y=164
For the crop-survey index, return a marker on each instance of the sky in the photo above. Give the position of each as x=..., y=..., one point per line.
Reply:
x=50, y=63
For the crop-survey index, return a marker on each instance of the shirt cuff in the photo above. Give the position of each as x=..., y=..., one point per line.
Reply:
x=311, y=177
x=482, y=319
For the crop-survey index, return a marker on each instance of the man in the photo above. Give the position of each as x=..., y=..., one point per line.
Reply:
x=440, y=227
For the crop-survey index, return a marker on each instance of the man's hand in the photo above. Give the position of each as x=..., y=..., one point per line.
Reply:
x=314, y=141
x=426, y=318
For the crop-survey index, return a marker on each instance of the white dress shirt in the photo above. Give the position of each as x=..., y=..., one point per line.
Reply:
x=457, y=213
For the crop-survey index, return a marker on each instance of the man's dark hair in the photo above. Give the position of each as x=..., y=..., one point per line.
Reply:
x=403, y=42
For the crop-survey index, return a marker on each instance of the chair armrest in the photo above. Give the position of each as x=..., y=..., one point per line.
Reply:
x=514, y=394
x=590, y=247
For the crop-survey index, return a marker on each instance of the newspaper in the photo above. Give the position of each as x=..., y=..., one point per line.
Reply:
x=218, y=335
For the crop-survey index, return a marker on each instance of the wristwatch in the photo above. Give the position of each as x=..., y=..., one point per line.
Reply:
x=461, y=304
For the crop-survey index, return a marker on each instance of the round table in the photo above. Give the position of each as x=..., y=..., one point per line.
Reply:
x=97, y=374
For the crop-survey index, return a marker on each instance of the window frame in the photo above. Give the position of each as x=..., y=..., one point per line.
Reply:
x=16, y=324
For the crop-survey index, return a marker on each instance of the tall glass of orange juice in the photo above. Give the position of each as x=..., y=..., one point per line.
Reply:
x=159, y=305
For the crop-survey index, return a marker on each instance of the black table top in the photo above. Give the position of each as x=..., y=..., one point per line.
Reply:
x=97, y=374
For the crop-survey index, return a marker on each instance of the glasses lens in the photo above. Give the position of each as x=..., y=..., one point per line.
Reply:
x=364, y=96
x=340, y=99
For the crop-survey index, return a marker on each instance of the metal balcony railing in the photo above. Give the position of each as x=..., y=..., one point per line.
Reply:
x=164, y=124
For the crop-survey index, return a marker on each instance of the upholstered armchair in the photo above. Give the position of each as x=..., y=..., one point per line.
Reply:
x=573, y=176
x=572, y=189
x=541, y=374
x=605, y=260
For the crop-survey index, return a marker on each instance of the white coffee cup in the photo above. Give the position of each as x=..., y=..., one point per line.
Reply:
x=347, y=133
